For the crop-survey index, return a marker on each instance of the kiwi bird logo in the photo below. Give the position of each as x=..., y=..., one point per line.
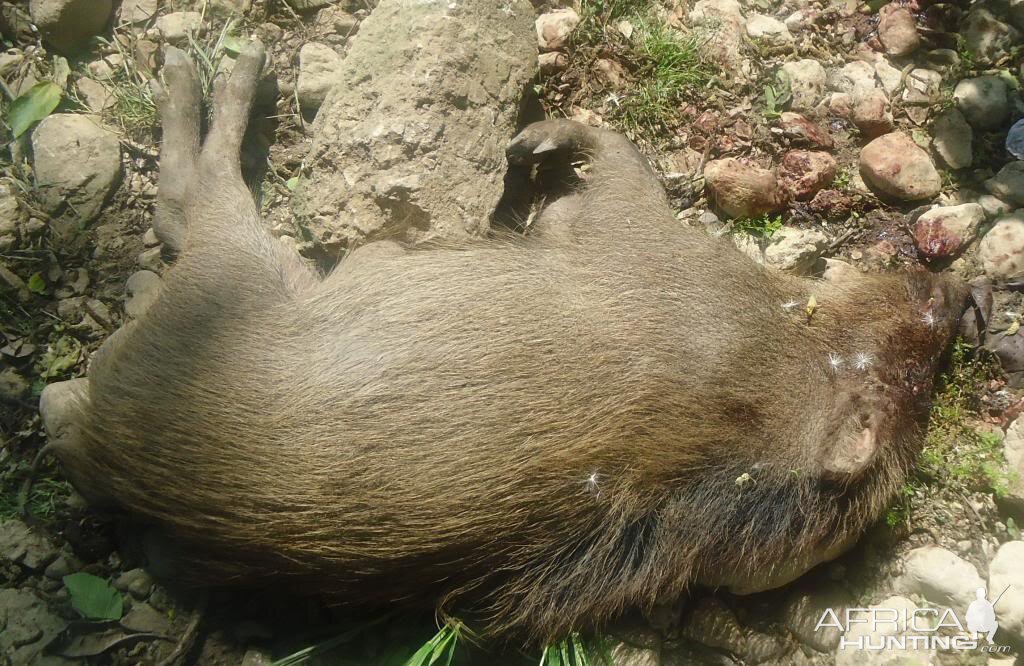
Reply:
x=981, y=615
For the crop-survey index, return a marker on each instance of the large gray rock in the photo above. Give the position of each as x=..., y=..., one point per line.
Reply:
x=807, y=82
x=986, y=36
x=1006, y=572
x=77, y=164
x=67, y=25
x=983, y=101
x=411, y=139
x=940, y=576
x=953, y=139
x=854, y=647
x=20, y=544
x=1001, y=251
x=26, y=626
x=1013, y=449
x=1008, y=184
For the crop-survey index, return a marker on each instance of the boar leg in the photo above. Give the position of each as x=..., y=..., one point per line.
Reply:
x=621, y=190
x=205, y=200
x=179, y=115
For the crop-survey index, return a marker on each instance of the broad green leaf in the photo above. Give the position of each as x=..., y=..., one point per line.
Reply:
x=37, y=284
x=292, y=183
x=32, y=106
x=234, y=44
x=93, y=597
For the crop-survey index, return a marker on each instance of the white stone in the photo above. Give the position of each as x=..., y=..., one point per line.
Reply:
x=795, y=250
x=854, y=78
x=77, y=164
x=1006, y=572
x=1013, y=449
x=983, y=101
x=867, y=633
x=176, y=26
x=760, y=26
x=554, y=28
x=940, y=576
x=807, y=82
x=318, y=67
x=1008, y=184
x=1001, y=251
x=953, y=139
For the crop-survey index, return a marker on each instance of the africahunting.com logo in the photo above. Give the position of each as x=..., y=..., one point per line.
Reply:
x=912, y=628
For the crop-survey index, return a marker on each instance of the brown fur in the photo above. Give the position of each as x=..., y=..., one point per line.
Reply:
x=543, y=429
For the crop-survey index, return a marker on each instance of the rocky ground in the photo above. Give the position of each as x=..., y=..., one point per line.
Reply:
x=820, y=136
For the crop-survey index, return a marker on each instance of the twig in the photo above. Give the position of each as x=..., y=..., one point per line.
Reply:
x=188, y=639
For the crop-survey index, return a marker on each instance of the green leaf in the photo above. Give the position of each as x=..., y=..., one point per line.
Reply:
x=234, y=44
x=37, y=284
x=93, y=597
x=32, y=106
x=292, y=183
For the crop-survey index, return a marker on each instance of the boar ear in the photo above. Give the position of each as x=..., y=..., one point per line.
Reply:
x=853, y=442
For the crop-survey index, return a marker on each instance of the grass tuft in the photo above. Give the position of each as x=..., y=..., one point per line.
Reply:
x=764, y=227
x=956, y=453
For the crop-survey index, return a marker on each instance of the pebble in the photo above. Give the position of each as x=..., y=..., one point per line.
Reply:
x=871, y=114
x=1008, y=184
x=137, y=11
x=713, y=624
x=742, y=189
x=20, y=544
x=795, y=250
x=554, y=28
x=176, y=26
x=953, y=139
x=898, y=167
x=940, y=576
x=1013, y=450
x=1001, y=251
x=854, y=78
x=800, y=130
x=13, y=387
x=26, y=626
x=552, y=62
x=136, y=582
x=768, y=28
x=806, y=81
x=143, y=287
x=1006, y=571
x=944, y=231
x=897, y=30
x=867, y=633
x=983, y=101
x=986, y=36
x=77, y=164
x=68, y=25
x=802, y=173
x=151, y=259
x=1015, y=140
x=993, y=206
x=805, y=607
x=318, y=67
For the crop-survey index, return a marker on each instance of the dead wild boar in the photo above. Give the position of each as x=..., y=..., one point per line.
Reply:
x=537, y=430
